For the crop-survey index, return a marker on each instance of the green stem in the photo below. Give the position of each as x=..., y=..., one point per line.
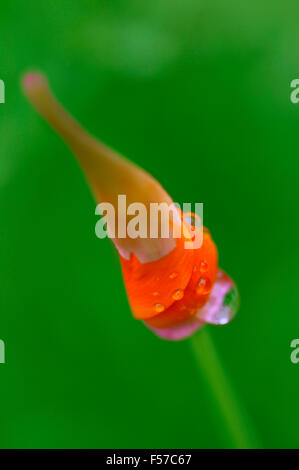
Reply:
x=229, y=407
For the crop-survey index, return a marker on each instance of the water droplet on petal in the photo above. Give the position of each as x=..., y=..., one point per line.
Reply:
x=203, y=286
x=178, y=294
x=203, y=267
x=173, y=275
x=229, y=307
x=223, y=302
x=155, y=293
x=159, y=308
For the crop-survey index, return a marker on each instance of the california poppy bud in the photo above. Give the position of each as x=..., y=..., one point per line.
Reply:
x=174, y=290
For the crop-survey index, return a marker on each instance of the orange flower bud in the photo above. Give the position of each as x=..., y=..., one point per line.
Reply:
x=174, y=290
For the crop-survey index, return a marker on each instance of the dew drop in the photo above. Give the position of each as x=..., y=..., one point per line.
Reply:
x=159, y=308
x=229, y=307
x=155, y=293
x=203, y=267
x=223, y=316
x=178, y=294
x=203, y=286
x=173, y=275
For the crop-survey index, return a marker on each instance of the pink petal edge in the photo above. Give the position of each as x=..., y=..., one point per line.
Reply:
x=213, y=312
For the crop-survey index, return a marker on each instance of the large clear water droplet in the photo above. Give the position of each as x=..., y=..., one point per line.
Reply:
x=229, y=307
x=223, y=302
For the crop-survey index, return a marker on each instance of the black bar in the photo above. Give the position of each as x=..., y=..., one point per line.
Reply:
x=142, y=458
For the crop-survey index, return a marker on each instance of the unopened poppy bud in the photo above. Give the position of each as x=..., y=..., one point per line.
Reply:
x=174, y=290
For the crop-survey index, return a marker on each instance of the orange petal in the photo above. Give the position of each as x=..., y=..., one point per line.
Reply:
x=150, y=286
x=167, y=291
x=197, y=292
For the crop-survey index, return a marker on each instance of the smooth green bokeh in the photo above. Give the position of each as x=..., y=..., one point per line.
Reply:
x=198, y=93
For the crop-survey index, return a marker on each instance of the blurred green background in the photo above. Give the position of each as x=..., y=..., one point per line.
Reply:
x=198, y=93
